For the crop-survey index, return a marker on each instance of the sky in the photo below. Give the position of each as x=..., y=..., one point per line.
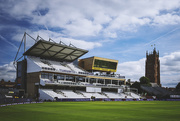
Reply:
x=116, y=29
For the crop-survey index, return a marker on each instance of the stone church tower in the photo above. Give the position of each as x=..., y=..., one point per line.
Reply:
x=153, y=67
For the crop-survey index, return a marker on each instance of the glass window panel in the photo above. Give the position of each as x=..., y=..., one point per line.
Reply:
x=105, y=64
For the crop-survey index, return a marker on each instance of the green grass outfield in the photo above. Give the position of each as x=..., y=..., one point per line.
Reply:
x=93, y=111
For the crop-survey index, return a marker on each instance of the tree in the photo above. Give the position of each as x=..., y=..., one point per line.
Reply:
x=2, y=80
x=145, y=81
x=136, y=85
x=2, y=83
x=128, y=82
x=178, y=86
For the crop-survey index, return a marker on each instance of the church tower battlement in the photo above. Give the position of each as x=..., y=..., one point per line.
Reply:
x=153, y=67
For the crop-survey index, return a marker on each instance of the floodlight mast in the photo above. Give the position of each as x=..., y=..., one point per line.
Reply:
x=23, y=40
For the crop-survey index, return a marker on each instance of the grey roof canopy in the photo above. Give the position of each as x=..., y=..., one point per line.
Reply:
x=54, y=51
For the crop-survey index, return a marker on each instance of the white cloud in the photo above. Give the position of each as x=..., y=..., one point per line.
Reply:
x=82, y=44
x=170, y=64
x=170, y=72
x=8, y=72
x=125, y=23
x=83, y=27
x=57, y=37
x=93, y=17
x=167, y=19
x=132, y=70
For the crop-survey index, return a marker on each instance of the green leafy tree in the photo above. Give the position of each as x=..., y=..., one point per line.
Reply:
x=178, y=86
x=137, y=86
x=128, y=82
x=2, y=80
x=2, y=83
x=145, y=81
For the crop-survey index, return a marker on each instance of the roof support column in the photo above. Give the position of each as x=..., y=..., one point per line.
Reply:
x=85, y=79
x=53, y=77
x=88, y=80
x=75, y=79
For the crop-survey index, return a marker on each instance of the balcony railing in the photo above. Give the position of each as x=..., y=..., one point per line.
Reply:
x=81, y=73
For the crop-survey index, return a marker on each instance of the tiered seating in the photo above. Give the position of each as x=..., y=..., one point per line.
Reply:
x=122, y=95
x=112, y=95
x=39, y=62
x=75, y=68
x=162, y=90
x=60, y=92
x=89, y=94
x=151, y=90
x=135, y=95
x=97, y=95
x=148, y=89
x=59, y=66
x=50, y=94
x=156, y=91
x=71, y=94
x=80, y=93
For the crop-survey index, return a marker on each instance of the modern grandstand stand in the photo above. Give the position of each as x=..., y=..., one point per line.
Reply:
x=53, y=71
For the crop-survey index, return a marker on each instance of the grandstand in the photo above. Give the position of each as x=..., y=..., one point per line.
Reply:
x=48, y=72
x=159, y=92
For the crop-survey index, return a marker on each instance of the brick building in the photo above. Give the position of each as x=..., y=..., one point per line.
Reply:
x=153, y=67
